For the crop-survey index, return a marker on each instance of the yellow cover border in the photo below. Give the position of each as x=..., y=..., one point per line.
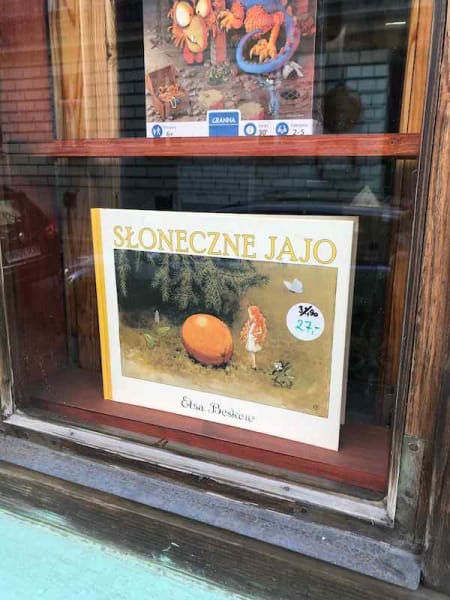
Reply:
x=101, y=301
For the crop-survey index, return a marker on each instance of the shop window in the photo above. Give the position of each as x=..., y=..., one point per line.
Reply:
x=78, y=101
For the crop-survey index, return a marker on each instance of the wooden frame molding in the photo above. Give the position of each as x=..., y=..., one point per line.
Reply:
x=436, y=567
x=431, y=373
x=432, y=312
x=419, y=280
x=430, y=347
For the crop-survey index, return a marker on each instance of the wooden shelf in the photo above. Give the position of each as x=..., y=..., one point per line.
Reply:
x=390, y=145
x=362, y=460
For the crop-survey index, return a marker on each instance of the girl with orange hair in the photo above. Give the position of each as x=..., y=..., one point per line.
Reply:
x=254, y=333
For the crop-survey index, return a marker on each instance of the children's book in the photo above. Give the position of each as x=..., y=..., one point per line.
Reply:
x=241, y=320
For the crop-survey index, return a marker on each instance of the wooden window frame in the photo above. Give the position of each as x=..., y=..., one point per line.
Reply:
x=402, y=516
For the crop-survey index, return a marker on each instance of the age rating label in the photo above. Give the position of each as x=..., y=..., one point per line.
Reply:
x=305, y=321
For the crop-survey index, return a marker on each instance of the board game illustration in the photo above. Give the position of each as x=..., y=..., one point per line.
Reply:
x=229, y=67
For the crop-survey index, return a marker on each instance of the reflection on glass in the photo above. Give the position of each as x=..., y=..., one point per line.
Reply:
x=51, y=243
x=58, y=82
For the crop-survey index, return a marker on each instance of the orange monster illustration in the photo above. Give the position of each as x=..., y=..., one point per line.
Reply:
x=193, y=22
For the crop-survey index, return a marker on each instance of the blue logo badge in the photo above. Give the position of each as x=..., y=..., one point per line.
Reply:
x=157, y=131
x=223, y=123
x=250, y=129
x=282, y=128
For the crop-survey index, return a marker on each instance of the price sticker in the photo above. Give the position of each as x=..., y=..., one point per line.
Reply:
x=305, y=321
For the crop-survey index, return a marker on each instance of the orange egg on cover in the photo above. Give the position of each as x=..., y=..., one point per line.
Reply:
x=207, y=339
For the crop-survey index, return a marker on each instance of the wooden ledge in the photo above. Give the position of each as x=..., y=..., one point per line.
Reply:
x=362, y=461
x=386, y=144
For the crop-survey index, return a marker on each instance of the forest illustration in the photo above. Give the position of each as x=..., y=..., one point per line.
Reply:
x=219, y=325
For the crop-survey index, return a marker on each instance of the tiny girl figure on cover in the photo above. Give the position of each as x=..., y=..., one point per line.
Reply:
x=254, y=333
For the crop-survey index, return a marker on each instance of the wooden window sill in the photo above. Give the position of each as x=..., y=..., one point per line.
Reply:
x=362, y=460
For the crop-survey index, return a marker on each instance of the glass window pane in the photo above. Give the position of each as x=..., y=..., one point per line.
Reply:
x=74, y=77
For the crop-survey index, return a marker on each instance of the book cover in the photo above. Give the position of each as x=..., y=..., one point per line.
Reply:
x=237, y=319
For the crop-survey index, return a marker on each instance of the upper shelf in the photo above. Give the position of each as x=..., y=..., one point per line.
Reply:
x=390, y=144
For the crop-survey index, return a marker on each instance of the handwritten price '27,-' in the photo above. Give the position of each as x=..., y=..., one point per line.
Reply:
x=306, y=325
